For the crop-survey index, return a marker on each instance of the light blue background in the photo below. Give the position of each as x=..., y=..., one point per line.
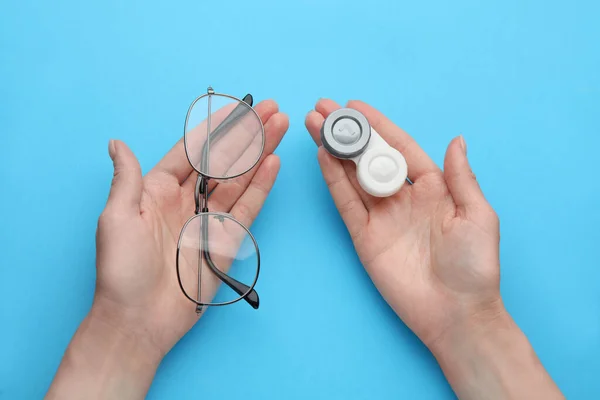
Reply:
x=519, y=78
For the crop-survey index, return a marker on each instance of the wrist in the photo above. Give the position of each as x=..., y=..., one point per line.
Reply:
x=473, y=327
x=123, y=333
x=488, y=356
x=105, y=360
x=476, y=339
x=128, y=326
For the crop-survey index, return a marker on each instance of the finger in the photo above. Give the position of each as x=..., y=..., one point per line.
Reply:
x=314, y=121
x=225, y=195
x=419, y=163
x=231, y=148
x=227, y=154
x=249, y=204
x=345, y=195
x=126, y=189
x=460, y=179
x=326, y=107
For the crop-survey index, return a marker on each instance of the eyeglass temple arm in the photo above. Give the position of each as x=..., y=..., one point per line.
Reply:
x=238, y=112
x=248, y=99
x=237, y=286
x=251, y=297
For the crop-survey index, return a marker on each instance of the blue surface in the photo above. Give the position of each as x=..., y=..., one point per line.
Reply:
x=518, y=78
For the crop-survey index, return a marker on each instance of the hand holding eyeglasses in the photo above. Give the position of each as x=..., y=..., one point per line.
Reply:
x=139, y=311
x=432, y=250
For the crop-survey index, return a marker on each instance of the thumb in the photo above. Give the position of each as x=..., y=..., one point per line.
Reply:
x=126, y=189
x=460, y=179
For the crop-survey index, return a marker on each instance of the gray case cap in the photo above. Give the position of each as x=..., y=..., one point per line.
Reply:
x=345, y=133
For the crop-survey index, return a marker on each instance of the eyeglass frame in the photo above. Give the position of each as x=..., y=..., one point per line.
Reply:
x=201, y=205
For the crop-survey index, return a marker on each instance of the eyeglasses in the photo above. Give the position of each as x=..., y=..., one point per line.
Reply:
x=223, y=138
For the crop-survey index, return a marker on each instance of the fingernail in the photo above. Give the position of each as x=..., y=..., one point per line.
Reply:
x=111, y=149
x=463, y=144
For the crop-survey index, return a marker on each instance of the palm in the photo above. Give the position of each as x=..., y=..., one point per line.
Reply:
x=137, y=250
x=400, y=223
x=165, y=207
x=413, y=244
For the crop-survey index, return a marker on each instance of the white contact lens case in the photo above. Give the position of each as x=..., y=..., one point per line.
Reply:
x=381, y=170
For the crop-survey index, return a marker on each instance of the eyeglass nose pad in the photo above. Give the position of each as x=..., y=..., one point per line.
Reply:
x=381, y=171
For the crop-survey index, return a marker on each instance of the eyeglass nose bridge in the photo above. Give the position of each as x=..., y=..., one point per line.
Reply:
x=201, y=194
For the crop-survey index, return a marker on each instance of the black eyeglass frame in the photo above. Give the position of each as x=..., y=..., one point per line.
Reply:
x=201, y=201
